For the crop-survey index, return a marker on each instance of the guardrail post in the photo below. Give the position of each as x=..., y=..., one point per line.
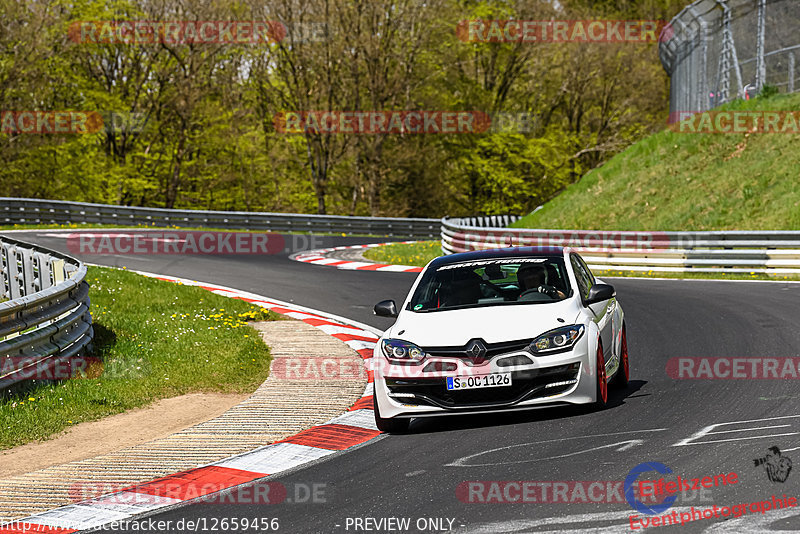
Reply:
x=27, y=272
x=5, y=274
x=761, y=65
x=15, y=276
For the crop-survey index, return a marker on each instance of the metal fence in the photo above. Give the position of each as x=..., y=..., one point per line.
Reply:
x=716, y=51
x=44, y=317
x=33, y=211
x=774, y=252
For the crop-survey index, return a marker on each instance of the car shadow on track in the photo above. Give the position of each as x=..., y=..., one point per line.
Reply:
x=616, y=399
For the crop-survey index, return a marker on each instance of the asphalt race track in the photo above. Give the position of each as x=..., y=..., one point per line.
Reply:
x=657, y=419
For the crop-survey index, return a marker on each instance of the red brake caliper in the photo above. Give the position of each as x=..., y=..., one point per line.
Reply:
x=625, y=354
x=601, y=373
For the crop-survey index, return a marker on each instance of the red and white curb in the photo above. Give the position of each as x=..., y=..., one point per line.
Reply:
x=326, y=257
x=354, y=427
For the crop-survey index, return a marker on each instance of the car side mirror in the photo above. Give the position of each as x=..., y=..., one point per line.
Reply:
x=386, y=308
x=599, y=293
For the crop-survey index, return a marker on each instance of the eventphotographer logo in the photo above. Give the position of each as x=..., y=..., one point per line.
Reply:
x=668, y=488
x=630, y=483
x=775, y=464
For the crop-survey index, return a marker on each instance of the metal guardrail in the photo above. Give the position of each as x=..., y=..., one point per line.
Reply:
x=770, y=252
x=45, y=319
x=34, y=211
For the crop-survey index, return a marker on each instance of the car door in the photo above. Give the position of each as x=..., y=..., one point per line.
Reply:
x=602, y=312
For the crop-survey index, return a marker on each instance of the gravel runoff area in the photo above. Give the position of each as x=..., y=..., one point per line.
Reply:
x=279, y=408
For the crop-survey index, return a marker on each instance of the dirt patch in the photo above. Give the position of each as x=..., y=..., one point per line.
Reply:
x=116, y=432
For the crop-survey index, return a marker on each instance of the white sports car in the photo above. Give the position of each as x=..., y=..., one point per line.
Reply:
x=499, y=330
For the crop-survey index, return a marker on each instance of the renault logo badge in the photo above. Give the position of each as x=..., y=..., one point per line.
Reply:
x=476, y=350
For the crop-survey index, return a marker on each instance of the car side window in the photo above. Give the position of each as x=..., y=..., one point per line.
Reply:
x=583, y=278
x=587, y=270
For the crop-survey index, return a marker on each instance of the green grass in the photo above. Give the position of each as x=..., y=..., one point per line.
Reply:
x=677, y=181
x=418, y=254
x=156, y=340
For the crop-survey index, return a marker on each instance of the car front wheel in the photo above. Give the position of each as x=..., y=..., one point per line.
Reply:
x=623, y=374
x=602, y=380
x=389, y=425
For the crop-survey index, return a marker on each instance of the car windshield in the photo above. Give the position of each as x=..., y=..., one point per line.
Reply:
x=492, y=282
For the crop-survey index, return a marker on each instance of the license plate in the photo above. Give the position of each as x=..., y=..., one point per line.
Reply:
x=494, y=380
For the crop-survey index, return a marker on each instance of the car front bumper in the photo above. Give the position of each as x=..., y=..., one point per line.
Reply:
x=409, y=391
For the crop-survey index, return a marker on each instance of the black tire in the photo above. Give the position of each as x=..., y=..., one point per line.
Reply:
x=601, y=383
x=394, y=425
x=623, y=374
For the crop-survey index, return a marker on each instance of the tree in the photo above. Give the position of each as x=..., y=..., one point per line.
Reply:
x=305, y=72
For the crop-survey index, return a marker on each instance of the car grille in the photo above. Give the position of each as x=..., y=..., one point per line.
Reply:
x=492, y=350
x=525, y=385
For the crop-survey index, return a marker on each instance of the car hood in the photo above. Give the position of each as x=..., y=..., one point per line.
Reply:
x=492, y=323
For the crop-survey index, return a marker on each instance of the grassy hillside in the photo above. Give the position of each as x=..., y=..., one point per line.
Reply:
x=679, y=181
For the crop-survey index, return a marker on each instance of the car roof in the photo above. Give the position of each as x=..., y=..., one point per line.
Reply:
x=498, y=253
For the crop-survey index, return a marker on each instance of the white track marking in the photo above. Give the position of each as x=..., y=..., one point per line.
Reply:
x=359, y=345
x=131, y=503
x=359, y=418
x=275, y=458
x=76, y=516
x=461, y=462
x=706, y=431
x=625, y=445
x=333, y=329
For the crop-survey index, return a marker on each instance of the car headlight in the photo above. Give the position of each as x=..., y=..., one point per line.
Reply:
x=402, y=351
x=560, y=339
